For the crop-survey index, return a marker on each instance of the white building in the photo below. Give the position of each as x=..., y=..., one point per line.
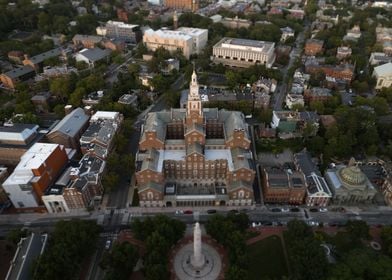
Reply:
x=287, y=32
x=243, y=52
x=383, y=74
x=129, y=32
x=318, y=192
x=33, y=171
x=294, y=100
x=199, y=37
x=101, y=31
x=155, y=2
x=187, y=40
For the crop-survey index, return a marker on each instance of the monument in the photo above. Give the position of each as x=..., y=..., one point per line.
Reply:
x=198, y=260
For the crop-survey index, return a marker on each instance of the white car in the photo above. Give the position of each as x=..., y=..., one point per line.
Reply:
x=285, y=210
x=323, y=210
x=179, y=212
x=107, y=245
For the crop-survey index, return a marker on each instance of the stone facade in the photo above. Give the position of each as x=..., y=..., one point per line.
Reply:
x=349, y=184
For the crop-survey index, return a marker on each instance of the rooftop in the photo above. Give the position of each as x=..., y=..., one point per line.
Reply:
x=17, y=132
x=72, y=123
x=49, y=54
x=105, y=115
x=20, y=71
x=121, y=24
x=245, y=44
x=95, y=54
x=384, y=70
x=79, y=37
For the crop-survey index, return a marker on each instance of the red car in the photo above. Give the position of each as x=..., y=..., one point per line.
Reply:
x=188, y=212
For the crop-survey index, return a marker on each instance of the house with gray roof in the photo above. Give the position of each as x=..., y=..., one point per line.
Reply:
x=68, y=131
x=12, y=77
x=92, y=56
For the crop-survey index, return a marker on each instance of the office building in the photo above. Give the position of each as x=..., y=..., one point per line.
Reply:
x=187, y=40
x=130, y=33
x=243, y=52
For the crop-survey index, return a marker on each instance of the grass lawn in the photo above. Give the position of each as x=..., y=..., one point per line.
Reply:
x=266, y=259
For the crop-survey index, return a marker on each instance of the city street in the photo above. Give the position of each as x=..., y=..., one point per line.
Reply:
x=281, y=90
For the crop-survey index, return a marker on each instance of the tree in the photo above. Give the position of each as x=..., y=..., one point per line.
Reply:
x=70, y=243
x=306, y=256
x=61, y=87
x=110, y=180
x=76, y=97
x=386, y=237
x=119, y=263
x=358, y=229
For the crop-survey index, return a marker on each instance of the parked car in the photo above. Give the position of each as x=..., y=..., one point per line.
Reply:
x=108, y=243
x=285, y=210
x=323, y=210
x=179, y=212
x=276, y=210
x=313, y=210
x=211, y=211
x=234, y=211
x=188, y=212
x=294, y=209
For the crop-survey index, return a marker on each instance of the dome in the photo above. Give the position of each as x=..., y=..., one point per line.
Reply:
x=352, y=175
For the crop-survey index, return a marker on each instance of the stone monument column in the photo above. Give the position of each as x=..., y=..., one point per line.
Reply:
x=197, y=260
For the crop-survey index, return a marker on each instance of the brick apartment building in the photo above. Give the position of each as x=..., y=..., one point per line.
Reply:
x=98, y=138
x=77, y=188
x=313, y=47
x=343, y=72
x=283, y=186
x=38, y=168
x=195, y=157
x=189, y=5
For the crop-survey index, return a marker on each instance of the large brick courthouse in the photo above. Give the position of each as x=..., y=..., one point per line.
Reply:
x=194, y=157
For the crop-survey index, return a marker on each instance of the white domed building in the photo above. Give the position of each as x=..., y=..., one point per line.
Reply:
x=349, y=184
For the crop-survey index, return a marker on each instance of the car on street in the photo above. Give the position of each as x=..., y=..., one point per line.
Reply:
x=276, y=210
x=179, y=212
x=188, y=212
x=107, y=244
x=323, y=210
x=211, y=211
x=233, y=211
x=285, y=210
x=313, y=210
x=294, y=209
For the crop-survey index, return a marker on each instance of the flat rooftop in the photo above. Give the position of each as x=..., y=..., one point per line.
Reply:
x=245, y=44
